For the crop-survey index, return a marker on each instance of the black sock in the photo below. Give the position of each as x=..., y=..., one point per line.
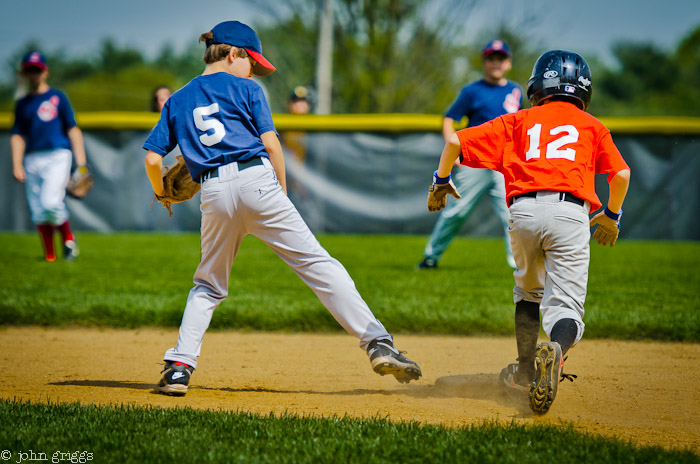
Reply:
x=527, y=328
x=564, y=332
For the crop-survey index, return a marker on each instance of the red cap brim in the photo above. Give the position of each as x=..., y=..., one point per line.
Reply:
x=263, y=67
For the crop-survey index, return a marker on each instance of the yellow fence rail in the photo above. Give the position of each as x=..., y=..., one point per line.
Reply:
x=115, y=120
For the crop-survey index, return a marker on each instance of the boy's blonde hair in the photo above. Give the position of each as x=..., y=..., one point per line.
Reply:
x=218, y=52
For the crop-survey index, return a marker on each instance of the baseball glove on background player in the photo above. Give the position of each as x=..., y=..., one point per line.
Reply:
x=80, y=182
x=178, y=185
x=437, y=193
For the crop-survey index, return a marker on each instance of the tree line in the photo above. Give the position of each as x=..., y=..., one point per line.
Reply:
x=387, y=59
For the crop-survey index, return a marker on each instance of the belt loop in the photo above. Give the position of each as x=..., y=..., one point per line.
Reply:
x=562, y=196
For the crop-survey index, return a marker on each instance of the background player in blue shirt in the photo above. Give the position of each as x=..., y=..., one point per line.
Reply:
x=43, y=136
x=480, y=101
x=222, y=123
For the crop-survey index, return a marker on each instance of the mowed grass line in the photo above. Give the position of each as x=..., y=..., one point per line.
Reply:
x=637, y=290
x=146, y=434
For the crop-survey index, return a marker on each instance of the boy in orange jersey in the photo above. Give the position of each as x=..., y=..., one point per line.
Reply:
x=549, y=155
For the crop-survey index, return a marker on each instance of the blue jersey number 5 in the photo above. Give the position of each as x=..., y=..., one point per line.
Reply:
x=206, y=125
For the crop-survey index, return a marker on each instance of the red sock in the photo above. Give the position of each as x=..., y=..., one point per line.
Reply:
x=66, y=233
x=46, y=234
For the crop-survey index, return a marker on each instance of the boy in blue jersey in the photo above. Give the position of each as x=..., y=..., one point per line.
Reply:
x=224, y=128
x=480, y=101
x=44, y=140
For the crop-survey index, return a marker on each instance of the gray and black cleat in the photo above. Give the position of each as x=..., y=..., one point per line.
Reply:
x=548, y=366
x=386, y=359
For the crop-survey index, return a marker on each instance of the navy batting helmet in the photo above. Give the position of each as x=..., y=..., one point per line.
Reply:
x=561, y=74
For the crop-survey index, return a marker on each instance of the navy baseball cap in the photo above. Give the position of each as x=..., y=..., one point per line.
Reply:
x=496, y=46
x=239, y=35
x=34, y=59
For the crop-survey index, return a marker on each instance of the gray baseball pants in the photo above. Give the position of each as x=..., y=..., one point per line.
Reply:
x=472, y=184
x=251, y=201
x=551, y=247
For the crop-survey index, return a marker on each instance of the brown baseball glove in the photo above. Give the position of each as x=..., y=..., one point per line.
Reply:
x=179, y=185
x=437, y=193
x=608, y=229
x=80, y=182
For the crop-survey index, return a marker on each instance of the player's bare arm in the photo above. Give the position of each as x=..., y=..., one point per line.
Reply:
x=274, y=150
x=450, y=155
x=448, y=129
x=75, y=135
x=608, y=220
x=154, y=171
x=442, y=182
x=618, y=190
x=17, y=147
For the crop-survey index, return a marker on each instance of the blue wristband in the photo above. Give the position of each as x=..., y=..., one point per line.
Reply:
x=437, y=180
x=611, y=215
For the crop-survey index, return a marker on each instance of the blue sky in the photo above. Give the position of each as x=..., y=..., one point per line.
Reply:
x=589, y=26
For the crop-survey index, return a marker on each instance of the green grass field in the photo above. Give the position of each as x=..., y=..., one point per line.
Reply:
x=149, y=435
x=638, y=290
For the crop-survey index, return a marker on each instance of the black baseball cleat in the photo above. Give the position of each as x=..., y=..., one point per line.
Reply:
x=548, y=366
x=428, y=263
x=512, y=383
x=176, y=377
x=386, y=359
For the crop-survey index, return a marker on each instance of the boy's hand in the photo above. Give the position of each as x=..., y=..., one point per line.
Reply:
x=607, y=231
x=437, y=194
x=19, y=173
